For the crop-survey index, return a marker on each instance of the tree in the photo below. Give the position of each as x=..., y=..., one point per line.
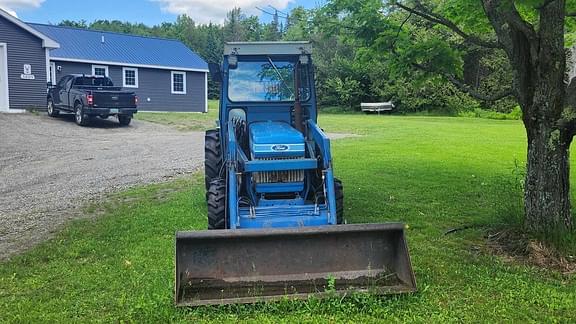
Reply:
x=272, y=31
x=76, y=24
x=532, y=34
x=298, y=25
x=233, y=27
x=538, y=59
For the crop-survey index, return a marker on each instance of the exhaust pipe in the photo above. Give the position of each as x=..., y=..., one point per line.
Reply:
x=247, y=266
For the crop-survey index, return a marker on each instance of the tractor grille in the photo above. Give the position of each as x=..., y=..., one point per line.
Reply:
x=278, y=176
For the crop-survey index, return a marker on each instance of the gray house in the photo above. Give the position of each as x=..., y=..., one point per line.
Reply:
x=24, y=57
x=165, y=74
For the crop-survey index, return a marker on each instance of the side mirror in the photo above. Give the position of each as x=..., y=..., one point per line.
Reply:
x=215, y=72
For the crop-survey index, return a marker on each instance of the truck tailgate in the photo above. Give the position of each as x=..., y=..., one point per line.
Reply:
x=113, y=99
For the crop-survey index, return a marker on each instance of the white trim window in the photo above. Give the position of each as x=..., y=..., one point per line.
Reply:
x=100, y=70
x=52, y=69
x=178, y=84
x=129, y=77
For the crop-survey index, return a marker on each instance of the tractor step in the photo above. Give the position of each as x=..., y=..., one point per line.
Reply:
x=248, y=266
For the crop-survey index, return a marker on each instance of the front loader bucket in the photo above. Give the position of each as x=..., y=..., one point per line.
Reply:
x=247, y=266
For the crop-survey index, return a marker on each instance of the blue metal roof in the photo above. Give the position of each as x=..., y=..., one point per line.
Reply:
x=123, y=49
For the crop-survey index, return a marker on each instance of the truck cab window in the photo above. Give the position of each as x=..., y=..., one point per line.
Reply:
x=68, y=83
x=62, y=82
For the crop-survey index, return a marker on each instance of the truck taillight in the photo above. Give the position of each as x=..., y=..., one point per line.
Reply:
x=136, y=100
x=90, y=99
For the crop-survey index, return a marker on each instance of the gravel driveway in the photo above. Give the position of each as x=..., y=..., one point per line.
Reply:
x=49, y=167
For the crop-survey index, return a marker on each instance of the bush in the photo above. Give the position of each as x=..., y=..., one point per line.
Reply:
x=337, y=110
x=515, y=114
x=429, y=95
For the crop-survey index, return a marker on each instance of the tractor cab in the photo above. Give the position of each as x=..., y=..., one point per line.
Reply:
x=282, y=175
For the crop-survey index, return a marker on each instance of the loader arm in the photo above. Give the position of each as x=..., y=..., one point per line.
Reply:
x=232, y=185
x=323, y=143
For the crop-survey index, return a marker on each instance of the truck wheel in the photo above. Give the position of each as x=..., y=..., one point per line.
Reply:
x=216, y=199
x=79, y=116
x=339, y=189
x=52, y=112
x=212, y=156
x=124, y=120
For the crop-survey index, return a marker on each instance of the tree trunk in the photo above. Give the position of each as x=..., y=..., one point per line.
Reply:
x=538, y=60
x=547, y=189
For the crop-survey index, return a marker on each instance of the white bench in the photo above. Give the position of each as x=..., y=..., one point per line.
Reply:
x=377, y=106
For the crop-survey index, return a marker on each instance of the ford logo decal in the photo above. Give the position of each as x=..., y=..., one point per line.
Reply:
x=280, y=147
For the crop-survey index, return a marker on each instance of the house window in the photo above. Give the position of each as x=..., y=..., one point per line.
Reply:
x=178, y=82
x=100, y=70
x=130, y=77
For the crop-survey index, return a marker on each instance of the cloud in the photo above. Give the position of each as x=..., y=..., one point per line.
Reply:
x=10, y=11
x=204, y=11
x=11, y=6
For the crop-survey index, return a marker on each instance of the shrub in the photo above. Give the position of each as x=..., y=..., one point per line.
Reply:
x=515, y=114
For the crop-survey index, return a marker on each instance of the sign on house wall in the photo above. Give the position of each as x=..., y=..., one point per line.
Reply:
x=27, y=75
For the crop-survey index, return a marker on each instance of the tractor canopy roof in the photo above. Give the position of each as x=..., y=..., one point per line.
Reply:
x=268, y=48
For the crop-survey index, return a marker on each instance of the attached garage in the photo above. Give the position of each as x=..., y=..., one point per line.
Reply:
x=24, y=53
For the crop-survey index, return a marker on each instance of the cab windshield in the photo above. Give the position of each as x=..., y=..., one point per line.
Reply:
x=266, y=80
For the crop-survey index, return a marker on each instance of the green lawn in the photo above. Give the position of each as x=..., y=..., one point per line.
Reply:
x=184, y=121
x=433, y=173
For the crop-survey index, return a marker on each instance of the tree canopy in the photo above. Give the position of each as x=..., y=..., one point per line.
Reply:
x=370, y=53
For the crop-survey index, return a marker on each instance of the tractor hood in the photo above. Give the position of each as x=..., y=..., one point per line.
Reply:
x=275, y=139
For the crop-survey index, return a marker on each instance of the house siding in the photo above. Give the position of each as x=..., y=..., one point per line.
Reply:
x=24, y=48
x=154, y=87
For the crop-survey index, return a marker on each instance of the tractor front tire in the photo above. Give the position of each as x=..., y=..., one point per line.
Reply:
x=216, y=200
x=339, y=190
x=212, y=156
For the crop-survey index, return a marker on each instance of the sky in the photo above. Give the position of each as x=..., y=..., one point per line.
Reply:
x=149, y=12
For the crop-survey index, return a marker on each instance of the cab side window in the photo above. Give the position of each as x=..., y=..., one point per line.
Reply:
x=62, y=82
x=68, y=83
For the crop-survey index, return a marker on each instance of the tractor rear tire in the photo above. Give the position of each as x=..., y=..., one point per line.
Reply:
x=216, y=200
x=339, y=190
x=212, y=156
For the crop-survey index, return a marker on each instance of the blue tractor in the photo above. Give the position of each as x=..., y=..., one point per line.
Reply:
x=274, y=204
x=269, y=161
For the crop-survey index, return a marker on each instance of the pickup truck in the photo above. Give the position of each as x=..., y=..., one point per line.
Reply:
x=88, y=96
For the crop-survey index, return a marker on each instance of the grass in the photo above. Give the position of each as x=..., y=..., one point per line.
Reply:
x=184, y=121
x=433, y=173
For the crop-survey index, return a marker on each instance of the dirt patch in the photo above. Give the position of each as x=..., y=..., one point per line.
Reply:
x=516, y=247
x=337, y=136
